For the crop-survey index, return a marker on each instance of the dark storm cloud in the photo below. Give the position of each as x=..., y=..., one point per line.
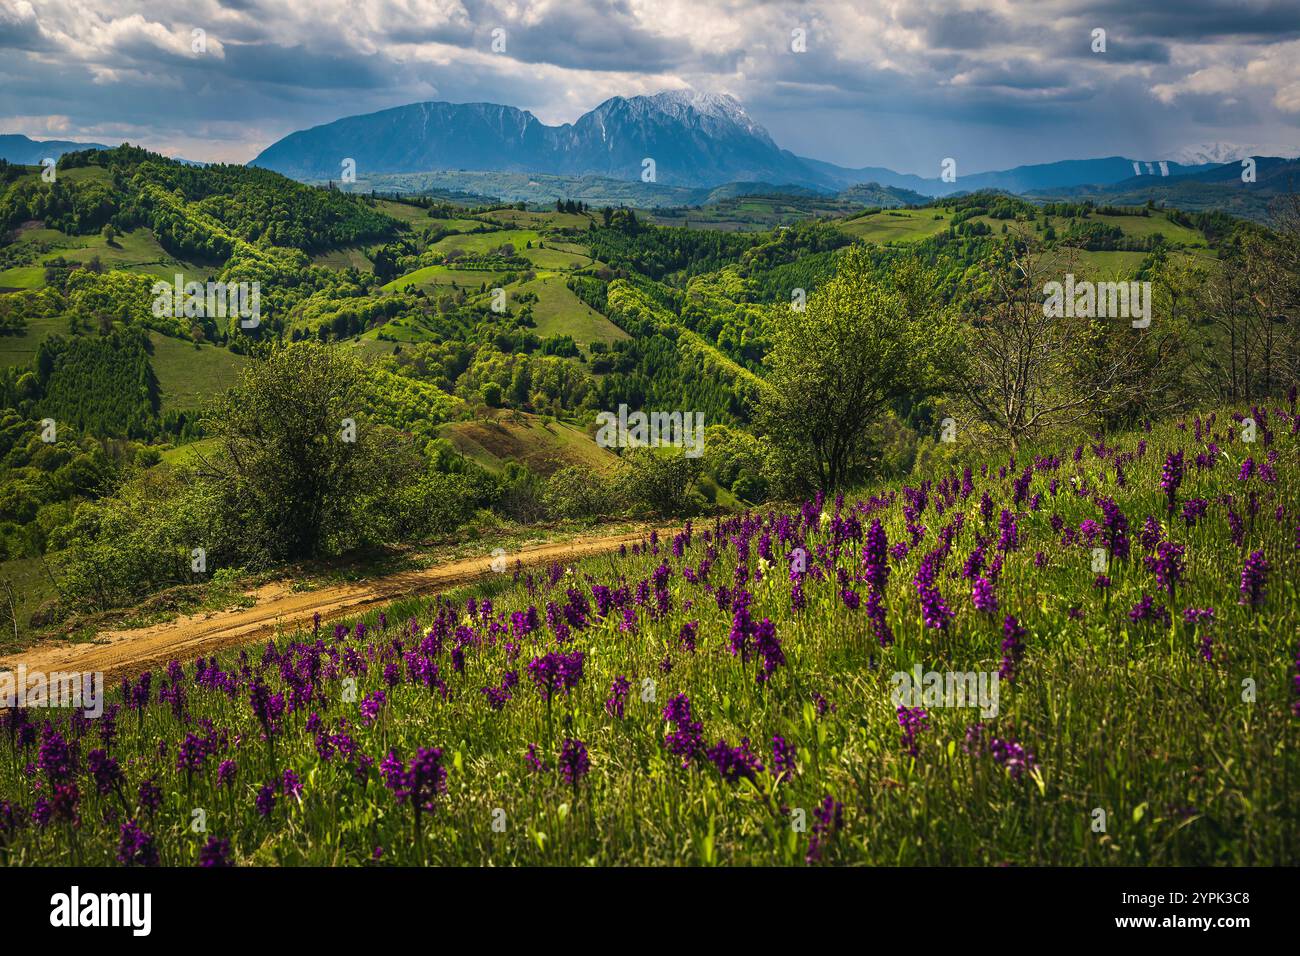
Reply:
x=21, y=31
x=963, y=29
x=925, y=70
x=296, y=66
x=1197, y=21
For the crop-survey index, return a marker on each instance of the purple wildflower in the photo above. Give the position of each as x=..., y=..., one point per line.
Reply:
x=1254, y=578
x=135, y=847
x=983, y=596
x=1013, y=648
x=687, y=738
x=783, y=758
x=573, y=761
x=1171, y=477
x=618, y=694
x=912, y=720
x=733, y=763
x=215, y=854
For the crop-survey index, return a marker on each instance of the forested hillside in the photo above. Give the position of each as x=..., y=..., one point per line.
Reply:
x=451, y=359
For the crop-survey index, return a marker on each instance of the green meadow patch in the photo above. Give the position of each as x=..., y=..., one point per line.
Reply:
x=558, y=311
x=896, y=225
x=190, y=374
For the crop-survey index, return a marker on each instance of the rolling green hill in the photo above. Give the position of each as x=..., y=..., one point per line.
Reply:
x=189, y=373
x=559, y=312
x=543, y=446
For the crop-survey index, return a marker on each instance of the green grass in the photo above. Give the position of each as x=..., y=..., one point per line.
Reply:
x=369, y=347
x=1098, y=265
x=403, y=212
x=189, y=452
x=32, y=587
x=1191, y=762
x=135, y=251
x=485, y=241
x=541, y=445
x=463, y=225
x=539, y=219
x=348, y=257
x=404, y=330
x=557, y=258
x=188, y=374
x=440, y=275
x=1144, y=226
x=22, y=277
x=21, y=349
x=896, y=225
x=558, y=311
x=907, y=225
x=86, y=174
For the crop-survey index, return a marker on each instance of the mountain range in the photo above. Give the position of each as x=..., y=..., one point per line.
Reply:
x=696, y=140
x=693, y=139
x=679, y=148
x=16, y=148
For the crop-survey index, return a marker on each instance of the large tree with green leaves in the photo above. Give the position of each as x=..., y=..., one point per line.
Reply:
x=862, y=341
x=298, y=460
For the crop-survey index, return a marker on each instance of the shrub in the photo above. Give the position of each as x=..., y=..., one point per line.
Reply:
x=577, y=492
x=660, y=483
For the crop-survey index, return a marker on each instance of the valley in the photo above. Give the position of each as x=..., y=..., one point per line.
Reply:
x=397, y=481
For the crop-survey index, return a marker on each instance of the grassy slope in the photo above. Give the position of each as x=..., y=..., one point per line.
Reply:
x=32, y=587
x=899, y=225
x=345, y=257
x=558, y=311
x=20, y=349
x=1122, y=716
x=190, y=374
x=543, y=446
x=135, y=251
x=904, y=225
x=431, y=276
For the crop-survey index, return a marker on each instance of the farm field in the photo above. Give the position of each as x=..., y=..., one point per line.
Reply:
x=896, y=225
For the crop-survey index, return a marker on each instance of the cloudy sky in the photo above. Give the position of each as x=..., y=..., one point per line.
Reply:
x=994, y=83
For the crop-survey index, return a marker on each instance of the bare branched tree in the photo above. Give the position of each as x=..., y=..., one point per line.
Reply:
x=1021, y=368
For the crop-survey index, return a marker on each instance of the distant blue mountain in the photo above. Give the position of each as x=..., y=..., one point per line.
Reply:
x=1217, y=186
x=16, y=148
x=696, y=140
x=1021, y=179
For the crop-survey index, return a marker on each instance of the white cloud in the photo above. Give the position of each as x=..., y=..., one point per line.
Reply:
x=996, y=68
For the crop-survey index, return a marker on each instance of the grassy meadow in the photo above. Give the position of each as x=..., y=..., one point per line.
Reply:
x=726, y=695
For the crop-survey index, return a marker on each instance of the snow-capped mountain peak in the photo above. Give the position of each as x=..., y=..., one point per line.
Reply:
x=1202, y=153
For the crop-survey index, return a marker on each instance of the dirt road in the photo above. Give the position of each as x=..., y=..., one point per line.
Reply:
x=278, y=607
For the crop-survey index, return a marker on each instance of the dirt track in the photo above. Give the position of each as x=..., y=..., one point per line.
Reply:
x=278, y=607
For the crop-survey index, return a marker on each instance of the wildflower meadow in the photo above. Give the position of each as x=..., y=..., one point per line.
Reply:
x=729, y=693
